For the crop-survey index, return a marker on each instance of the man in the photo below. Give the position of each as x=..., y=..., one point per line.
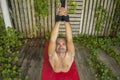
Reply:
x=61, y=51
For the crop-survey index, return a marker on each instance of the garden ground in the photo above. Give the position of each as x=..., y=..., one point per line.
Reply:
x=31, y=60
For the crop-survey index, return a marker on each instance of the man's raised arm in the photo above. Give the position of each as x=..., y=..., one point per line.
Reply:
x=54, y=34
x=69, y=38
x=70, y=45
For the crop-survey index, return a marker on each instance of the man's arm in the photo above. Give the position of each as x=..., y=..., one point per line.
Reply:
x=70, y=45
x=53, y=58
x=55, y=31
x=52, y=43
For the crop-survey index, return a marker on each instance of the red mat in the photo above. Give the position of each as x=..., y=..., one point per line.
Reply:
x=48, y=74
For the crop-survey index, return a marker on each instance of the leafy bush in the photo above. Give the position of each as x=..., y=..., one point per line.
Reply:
x=95, y=44
x=9, y=49
x=41, y=7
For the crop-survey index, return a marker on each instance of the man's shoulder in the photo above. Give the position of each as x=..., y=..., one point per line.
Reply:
x=54, y=54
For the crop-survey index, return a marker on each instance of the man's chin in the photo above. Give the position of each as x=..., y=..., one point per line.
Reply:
x=62, y=51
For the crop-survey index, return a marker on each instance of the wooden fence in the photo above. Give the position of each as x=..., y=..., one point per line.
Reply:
x=83, y=21
x=0, y=11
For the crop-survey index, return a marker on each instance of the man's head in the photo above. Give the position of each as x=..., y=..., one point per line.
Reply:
x=61, y=45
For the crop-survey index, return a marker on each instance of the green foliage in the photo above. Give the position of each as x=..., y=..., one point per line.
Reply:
x=117, y=1
x=9, y=49
x=73, y=6
x=115, y=28
x=2, y=27
x=41, y=7
x=47, y=35
x=95, y=45
x=101, y=17
x=108, y=42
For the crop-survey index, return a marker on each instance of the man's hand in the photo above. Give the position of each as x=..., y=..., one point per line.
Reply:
x=62, y=14
x=62, y=11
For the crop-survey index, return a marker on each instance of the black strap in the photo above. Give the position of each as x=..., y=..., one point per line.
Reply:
x=62, y=18
x=58, y=18
x=66, y=18
x=62, y=3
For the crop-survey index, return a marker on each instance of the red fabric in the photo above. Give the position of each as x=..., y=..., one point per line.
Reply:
x=49, y=74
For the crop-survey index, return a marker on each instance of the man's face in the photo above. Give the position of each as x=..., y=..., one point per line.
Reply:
x=61, y=45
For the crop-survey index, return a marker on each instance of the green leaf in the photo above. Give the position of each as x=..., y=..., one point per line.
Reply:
x=14, y=67
x=16, y=59
x=9, y=59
